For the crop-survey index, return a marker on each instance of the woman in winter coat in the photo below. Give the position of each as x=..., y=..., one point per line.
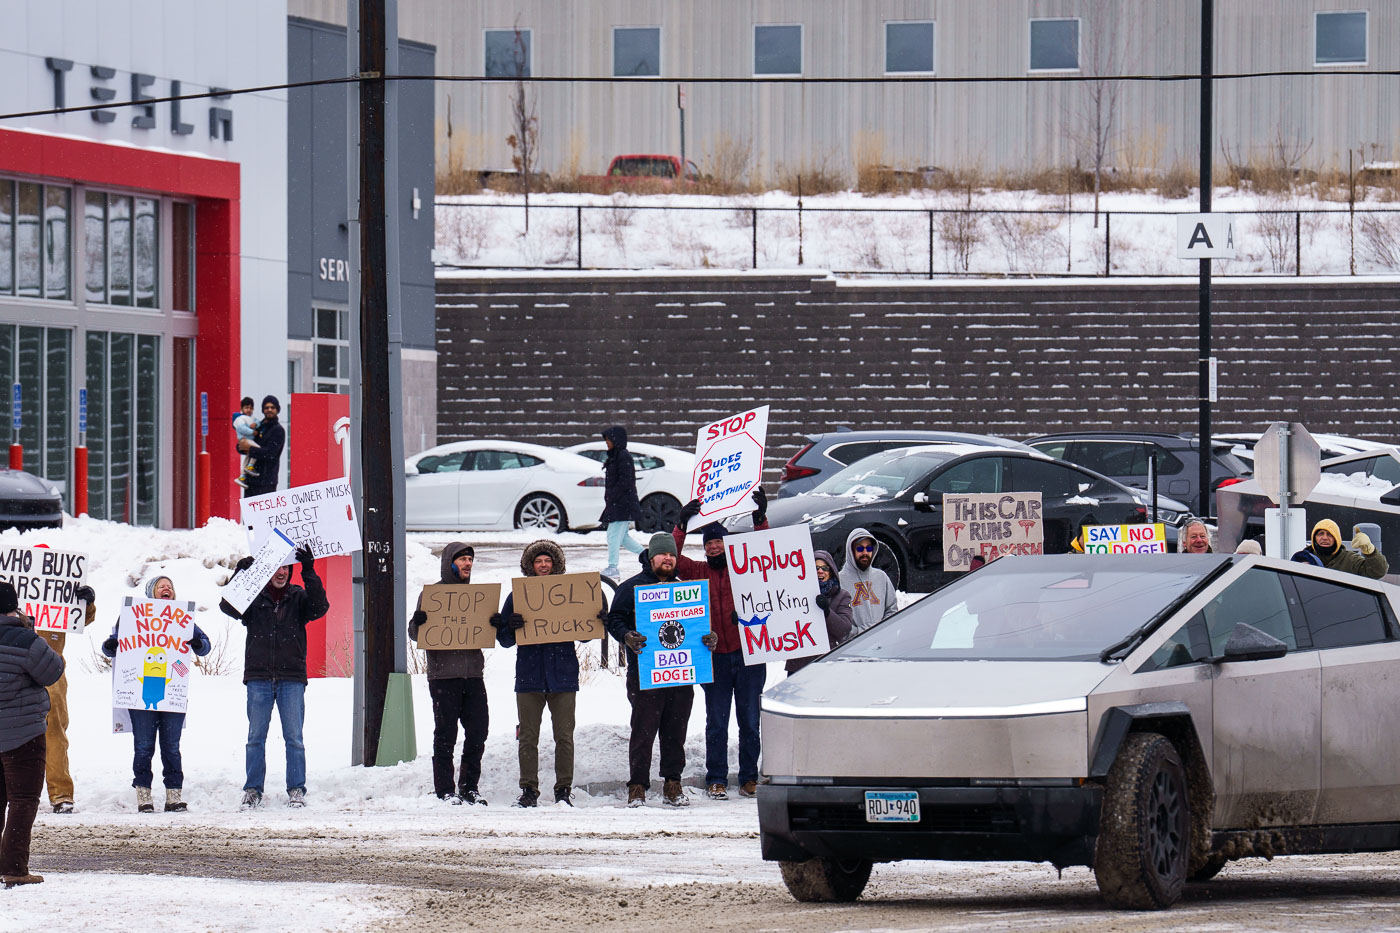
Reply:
x=148, y=724
x=833, y=601
x=620, y=504
x=27, y=666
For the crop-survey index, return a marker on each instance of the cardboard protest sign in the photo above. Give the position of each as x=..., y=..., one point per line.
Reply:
x=990, y=525
x=774, y=579
x=459, y=616
x=154, y=659
x=320, y=516
x=46, y=582
x=728, y=464
x=1125, y=539
x=559, y=607
x=247, y=584
x=674, y=617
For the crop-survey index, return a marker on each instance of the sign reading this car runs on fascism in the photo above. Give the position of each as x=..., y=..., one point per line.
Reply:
x=1125, y=539
x=990, y=525
x=774, y=580
x=728, y=464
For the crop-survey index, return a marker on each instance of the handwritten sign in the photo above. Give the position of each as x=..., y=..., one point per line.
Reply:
x=1125, y=539
x=248, y=583
x=459, y=616
x=152, y=668
x=674, y=617
x=560, y=607
x=46, y=582
x=728, y=464
x=320, y=516
x=774, y=580
x=990, y=525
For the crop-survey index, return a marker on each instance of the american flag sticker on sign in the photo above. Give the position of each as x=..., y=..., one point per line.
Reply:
x=181, y=668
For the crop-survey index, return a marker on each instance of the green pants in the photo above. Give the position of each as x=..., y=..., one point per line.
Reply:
x=561, y=715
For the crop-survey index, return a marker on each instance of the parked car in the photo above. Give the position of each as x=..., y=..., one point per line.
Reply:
x=495, y=484
x=1150, y=717
x=663, y=479
x=646, y=171
x=837, y=449
x=897, y=495
x=1123, y=456
x=1333, y=445
x=28, y=501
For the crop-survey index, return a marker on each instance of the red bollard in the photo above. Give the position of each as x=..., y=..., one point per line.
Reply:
x=80, y=480
x=201, y=489
x=16, y=456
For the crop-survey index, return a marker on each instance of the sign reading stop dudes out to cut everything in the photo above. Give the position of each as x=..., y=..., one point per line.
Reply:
x=728, y=464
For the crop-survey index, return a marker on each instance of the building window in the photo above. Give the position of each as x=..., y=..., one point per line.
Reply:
x=1341, y=39
x=182, y=256
x=38, y=358
x=331, y=346
x=508, y=53
x=777, y=50
x=908, y=48
x=637, y=52
x=1054, y=45
x=34, y=240
x=122, y=259
x=124, y=404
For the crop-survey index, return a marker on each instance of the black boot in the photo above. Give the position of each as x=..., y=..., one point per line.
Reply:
x=529, y=797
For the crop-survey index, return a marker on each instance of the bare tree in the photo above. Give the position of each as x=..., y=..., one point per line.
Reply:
x=524, y=121
x=1099, y=104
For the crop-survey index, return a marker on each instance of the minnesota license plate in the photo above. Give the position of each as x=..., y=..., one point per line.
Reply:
x=891, y=806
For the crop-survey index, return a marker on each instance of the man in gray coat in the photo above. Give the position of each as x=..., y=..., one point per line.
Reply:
x=873, y=597
x=27, y=666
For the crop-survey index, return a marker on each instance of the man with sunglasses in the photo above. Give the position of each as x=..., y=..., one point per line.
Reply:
x=872, y=594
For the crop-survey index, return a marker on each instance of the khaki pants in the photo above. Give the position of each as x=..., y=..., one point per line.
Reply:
x=530, y=707
x=56, y=772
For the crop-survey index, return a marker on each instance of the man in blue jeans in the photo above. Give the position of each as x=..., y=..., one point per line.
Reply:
x=274, y=671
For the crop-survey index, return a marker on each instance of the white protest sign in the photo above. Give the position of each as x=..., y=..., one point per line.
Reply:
x=728, y=464
x=774, y=579
x=320, y=516
x=990, y=525
x=46, y=582
x=1125, y=539
x=1205, y=236
x=152, y=668
x=247, y=584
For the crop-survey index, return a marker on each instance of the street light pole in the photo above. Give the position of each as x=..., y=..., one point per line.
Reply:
x=1207, y=144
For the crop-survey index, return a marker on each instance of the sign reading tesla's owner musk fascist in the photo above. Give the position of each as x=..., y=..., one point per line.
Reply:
x=318, y=515
x=990, y=525
x=774, y=580
x=674, y=617
x=728, y=464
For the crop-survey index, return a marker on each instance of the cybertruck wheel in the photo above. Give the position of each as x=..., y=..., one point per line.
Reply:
x=1145, y=827
x=826, y=880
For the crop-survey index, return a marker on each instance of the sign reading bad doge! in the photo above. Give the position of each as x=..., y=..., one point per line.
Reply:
x=674, y=617
x=990, y=525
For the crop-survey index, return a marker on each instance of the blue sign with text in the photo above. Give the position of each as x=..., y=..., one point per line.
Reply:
x=82, y=411
x=204, y=414
x=18, y=395
x=674, y=617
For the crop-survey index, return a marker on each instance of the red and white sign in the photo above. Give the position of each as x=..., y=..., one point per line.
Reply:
x=774, y=579
x=46, y=582
x=728, y=464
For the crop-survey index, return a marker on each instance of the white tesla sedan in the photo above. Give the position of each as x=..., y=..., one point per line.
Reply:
x=492, y=485
x=663, y=479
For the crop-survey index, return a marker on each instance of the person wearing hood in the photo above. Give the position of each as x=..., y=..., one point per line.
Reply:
x=27, y=667
x=458, y=694
x=545, y=676
x=58, y=776
x=664, y=710
x=147, y=724
x=274, y=670
x=620, y=504
x=873, y=597
x=1325, y=544
x=266, y=455
x=735, y=683
x=834, y=602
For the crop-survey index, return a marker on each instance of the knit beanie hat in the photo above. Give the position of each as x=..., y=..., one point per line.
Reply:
x=712, y=531
x=273, y=400
x=9, y=599
x=661, y=543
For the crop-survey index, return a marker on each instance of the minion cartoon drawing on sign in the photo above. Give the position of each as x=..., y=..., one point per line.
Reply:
x=153, y=678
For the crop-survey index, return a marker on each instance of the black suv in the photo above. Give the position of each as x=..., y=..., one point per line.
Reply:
x=1122, y=455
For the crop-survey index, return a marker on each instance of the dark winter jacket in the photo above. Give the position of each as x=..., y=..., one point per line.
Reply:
x=27, y=666
x=622, y=618
x=267, y=456
x=721, y=593
x=463, y=663
x=551, y=668
x=1373, y=565
x=275, y=648
x=839, y=617
x=620, y=503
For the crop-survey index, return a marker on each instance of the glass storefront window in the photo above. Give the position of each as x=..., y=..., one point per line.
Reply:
x=95, y=259
x=57, y=441
x=56, y=201
x=124, y=406
x=27, y=238
x=146, y=254
x=146, y=415
x=7, y=236
x=119, y=387
x=35, y=240
x=97, y=423
x=182, y=259
x=38, y=359
x=119, y=248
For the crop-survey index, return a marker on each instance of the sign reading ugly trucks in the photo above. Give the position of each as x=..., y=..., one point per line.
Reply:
x=674, y=617
x=990, y=525
x=559, y=607
x=728, y=464
x=1125, y=539
x=774, y=579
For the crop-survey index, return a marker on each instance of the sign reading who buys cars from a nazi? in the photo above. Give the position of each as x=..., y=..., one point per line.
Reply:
x=774, y=580
x=728, y=464
x=990, y=525
x=46, y=582
x=319, y=515
x=1125, y=539
x=674, y=617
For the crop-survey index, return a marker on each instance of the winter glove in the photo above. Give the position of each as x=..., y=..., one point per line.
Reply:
x=109, y=647
x=688, y=511
x=85, y=594
x=243, y=564
x=709, y=640
x=306, y=559
x=734, y=616
x=636, y=641
x=823, y=602
x=602, y=615
x=760, y=503
x=496, y=620
x=417, y=619
x=516, y=620
x=1362, y=542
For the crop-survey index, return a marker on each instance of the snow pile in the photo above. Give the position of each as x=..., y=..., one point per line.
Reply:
x=1358, y=485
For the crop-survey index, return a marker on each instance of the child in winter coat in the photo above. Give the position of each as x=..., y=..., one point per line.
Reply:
x=245, y=426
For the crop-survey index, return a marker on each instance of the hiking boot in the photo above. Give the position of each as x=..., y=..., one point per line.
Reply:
x=453, y=799
x=143, y=800
x=564, y=795
x=252, y=799
x=636, y=795
x=173, y=803
x=717, y=792
x=529, y=797
x=673, y=796
x=471, y=797
x=748, y=789
x=63, y=806
x=12, y=880
x=296, y=797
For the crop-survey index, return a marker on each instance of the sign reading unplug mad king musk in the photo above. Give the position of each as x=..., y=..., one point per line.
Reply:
x=774, y=579
x=674, y=617
x=728, y=464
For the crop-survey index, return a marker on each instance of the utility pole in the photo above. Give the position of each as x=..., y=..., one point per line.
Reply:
x=1207, y=144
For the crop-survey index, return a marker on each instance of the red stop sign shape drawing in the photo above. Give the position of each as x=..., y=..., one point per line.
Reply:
x=726, y=472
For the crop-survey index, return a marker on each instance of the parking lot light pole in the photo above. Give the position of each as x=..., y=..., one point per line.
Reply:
x=1207, y=143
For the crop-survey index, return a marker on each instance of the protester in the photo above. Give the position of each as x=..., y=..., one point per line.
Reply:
x=266, y=455
x=834, y=602
x=620, y=504
x=57, y=774
x=245, y=427
x=873, y=596
x=545, y=676
x=1249, y=546
x=458, y=694
x=734, y=682
x=146, y=724
x=274, y=671
x=1363, y=559
x=665, y=710
x=27, y=666
x=1194, y=538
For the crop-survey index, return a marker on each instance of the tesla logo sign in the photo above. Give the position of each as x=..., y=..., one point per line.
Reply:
x=140, y=87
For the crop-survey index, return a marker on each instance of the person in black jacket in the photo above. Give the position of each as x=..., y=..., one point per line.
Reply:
x=620, y=505
x=27, y=666
x=274, y=671
x=266, y=457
